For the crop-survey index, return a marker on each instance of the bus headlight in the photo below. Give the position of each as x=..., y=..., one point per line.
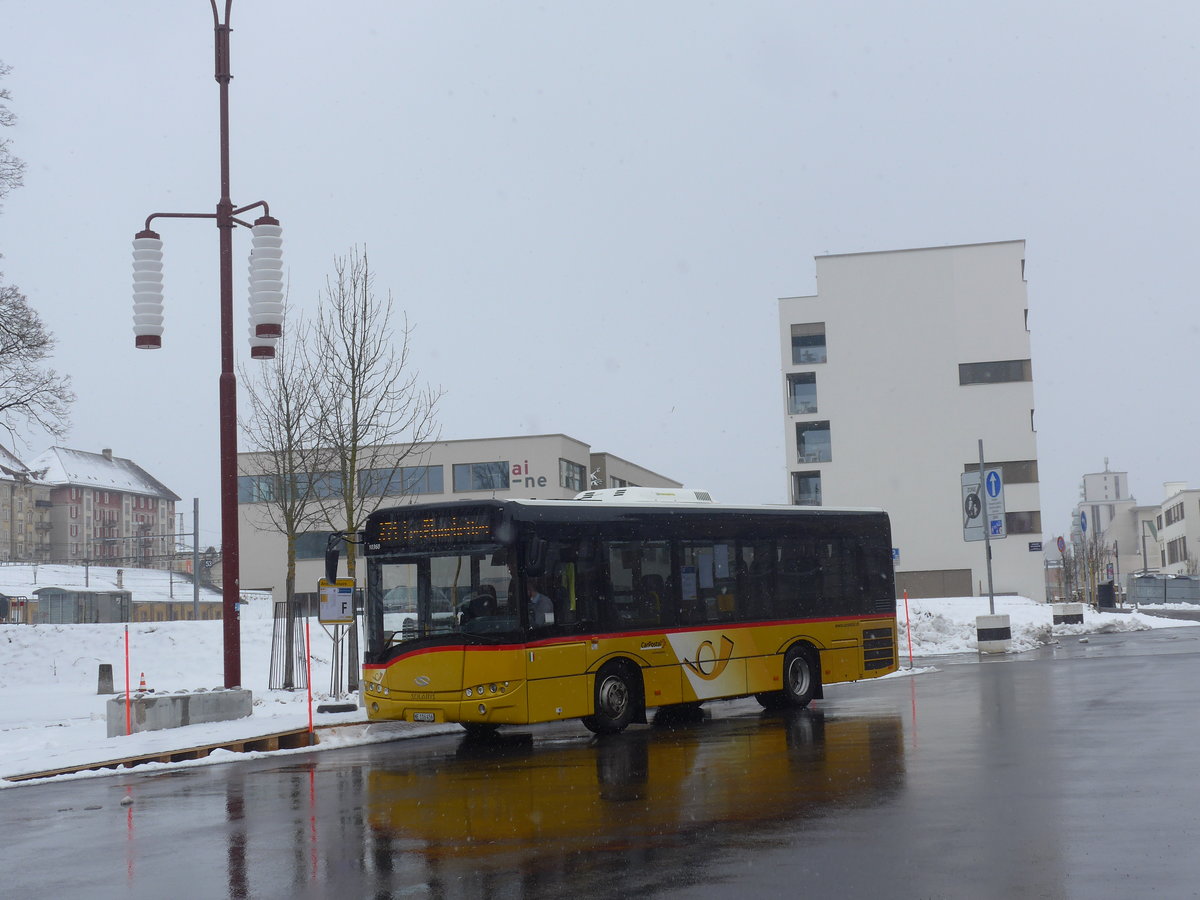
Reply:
x=492, y=688
x=482, y=709
x=470, y=693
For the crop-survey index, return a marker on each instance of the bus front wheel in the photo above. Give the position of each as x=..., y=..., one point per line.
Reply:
x=614, y=700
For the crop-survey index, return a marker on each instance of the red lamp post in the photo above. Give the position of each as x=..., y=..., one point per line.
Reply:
x=266, y=319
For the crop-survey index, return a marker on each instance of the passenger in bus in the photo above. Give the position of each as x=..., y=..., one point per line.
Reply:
x=541, y=607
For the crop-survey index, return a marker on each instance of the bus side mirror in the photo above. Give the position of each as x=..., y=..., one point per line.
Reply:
x=333, y=552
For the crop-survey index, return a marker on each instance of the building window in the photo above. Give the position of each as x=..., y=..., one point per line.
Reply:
x=401, y=480
x=322, y=485
x=312, y=544
x=806, y=488
x=802, y=393
x=1023, y=522
x=571, y=475
x=812, y=442
x=995, y=372
x=251, y=489
x=1174, y=514
x=1176, y=551
x=1018, y=471
x=808, y=343
x=481, y=476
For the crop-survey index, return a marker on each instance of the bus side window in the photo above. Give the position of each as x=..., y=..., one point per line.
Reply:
x=633, y=600
x=572, y=583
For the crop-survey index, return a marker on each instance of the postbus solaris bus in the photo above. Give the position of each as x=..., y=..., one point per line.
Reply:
x=510, y=612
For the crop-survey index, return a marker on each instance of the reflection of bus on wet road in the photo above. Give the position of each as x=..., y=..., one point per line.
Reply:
x=536, y=611
x=501, y=805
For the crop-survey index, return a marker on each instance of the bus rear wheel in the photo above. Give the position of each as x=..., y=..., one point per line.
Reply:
x=799, y=681
x=614, y=701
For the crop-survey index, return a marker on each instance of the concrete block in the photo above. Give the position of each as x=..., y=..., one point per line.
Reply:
x=1068, y=613
x=154, y=712
x=104, y=680
x=993, y=634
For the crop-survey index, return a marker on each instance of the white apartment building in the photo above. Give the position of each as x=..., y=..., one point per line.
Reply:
x=892, y=374
x=541, y=467
x=1176, y=532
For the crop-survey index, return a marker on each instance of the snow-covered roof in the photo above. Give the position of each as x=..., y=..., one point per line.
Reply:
x=59, y=465
x=10, y=465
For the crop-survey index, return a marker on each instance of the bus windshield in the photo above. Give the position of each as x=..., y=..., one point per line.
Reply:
x=451, y=593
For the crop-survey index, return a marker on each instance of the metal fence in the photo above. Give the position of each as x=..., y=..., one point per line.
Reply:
x=1145, y=589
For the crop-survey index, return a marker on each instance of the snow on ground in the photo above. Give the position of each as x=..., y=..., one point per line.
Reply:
x=51, y=715
x=947, y=624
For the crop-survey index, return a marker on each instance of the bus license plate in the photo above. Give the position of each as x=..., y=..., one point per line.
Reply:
x=424, y=717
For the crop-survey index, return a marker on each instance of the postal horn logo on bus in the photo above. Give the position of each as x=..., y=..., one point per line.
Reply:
x=422, y=680
x=709, y=664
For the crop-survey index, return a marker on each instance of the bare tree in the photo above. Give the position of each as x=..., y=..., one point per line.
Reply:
x=374, y=414
x=1096, y=552
x=281, y=431
x=12, y=169
x=31, y=393
x=1070, y=572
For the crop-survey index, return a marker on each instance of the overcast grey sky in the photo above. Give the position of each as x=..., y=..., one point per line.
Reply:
x=589, y=209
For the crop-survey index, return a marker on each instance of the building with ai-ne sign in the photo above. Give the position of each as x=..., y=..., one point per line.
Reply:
x=892, y=373
x=539, y=467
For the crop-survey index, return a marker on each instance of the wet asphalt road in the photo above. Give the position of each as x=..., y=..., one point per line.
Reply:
x=1067, y=772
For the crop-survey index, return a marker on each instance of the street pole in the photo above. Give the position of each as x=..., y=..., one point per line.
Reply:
x=1117, y=568
x=196, y=558
x=987, y=540
x=1144, y=568
x=148, y=331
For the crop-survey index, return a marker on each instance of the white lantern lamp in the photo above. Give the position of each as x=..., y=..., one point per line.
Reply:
x=266, y=278
x=147, y=290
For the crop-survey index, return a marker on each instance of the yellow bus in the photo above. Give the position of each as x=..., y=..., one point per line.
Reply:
x=510, y=612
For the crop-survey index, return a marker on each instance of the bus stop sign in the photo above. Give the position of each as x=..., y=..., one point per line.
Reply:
x=337, y=602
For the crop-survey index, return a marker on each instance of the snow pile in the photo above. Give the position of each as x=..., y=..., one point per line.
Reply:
x=947, y=624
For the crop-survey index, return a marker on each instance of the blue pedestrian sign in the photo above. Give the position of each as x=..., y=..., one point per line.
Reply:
x=1083, y=521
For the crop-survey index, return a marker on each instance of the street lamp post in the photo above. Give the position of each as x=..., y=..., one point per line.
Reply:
x=266, y=308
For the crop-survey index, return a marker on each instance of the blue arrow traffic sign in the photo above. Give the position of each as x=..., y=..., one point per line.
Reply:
x=994, y=484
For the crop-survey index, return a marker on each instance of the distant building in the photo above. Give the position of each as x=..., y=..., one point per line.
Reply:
x=24, y=512
x=1177, y=530
x=542, y=467
x=1111, y=514
x=106, y=509
x=1159, y=539
x=892, y=373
